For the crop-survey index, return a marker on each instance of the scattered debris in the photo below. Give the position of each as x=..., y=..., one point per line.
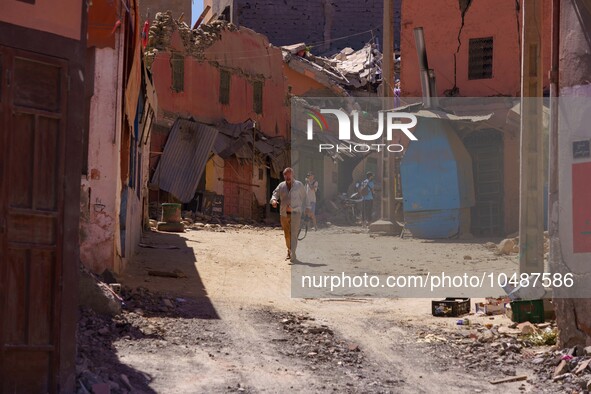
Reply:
x=97, y=295
x=506, y=246
x=527, y=328
x=142, y=245
x=509, y=379
x=168, y=274
x=492, y=306
x=510, y=245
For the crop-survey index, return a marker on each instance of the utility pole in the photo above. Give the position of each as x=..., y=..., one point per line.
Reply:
x=385, y=164
x=531, y=190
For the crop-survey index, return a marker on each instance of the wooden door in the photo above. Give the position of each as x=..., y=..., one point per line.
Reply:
x=33, y=95
x=238, y=195
x=486, y=150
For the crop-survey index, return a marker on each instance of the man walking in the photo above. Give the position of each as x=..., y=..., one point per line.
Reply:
x=292, y=195
x=367, y=192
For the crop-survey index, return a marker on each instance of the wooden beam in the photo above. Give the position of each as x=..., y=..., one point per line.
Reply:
x=201, y=17
x=509, y=379
x=212, y=18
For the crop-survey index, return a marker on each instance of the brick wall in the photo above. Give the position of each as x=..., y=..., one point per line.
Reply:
x=149, y=8
x=320, y=22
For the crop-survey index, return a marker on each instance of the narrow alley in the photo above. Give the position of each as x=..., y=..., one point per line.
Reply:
x=228, y=323
x=247, y=196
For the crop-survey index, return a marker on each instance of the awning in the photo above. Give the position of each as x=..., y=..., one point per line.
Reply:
x=184, y=158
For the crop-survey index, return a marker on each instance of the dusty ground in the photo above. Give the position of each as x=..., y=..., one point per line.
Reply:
x=232, y=326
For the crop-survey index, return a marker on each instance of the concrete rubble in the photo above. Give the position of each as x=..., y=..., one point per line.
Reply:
x=348, y=69
x=506, y=350
x=97, y=366
x=194, y=221
x=510, y=245
x=97, y=295
x=195, y=41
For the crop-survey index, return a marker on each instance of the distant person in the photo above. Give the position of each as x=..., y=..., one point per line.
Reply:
x=397, y=93
x=366, y=191
x=311, y=189
x=291, y=194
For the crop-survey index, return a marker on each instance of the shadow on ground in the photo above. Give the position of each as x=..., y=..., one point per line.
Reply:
x=165, y=254
x=97, y=362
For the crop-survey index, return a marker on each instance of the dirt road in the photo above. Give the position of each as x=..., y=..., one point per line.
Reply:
x=236, y=327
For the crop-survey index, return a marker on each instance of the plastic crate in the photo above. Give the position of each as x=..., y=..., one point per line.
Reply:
x=531, y=311
x=450, y=307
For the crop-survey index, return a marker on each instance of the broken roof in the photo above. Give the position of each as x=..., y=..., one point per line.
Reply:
x=236, y=139
x=348, y=68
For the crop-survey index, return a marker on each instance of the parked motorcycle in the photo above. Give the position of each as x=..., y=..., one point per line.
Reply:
x=351, y=207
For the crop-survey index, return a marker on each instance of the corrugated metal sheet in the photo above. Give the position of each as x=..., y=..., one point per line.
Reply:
x=184, y=158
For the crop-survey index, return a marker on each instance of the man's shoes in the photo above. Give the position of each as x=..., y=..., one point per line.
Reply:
x=288, y=257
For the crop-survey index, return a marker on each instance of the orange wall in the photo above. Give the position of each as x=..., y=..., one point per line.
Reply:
x=302, y=85
x=63, y=19
x=249, y=56
x=441, y=21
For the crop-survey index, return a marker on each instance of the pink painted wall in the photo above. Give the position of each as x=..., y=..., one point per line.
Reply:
x=63, y=20
x=101, y=189
x=248, y=56
x=441, y=21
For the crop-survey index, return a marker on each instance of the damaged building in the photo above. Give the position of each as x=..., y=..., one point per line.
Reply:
x=242, y=112
x=472, y=56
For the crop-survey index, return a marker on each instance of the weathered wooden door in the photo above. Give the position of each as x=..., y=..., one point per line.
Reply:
x=486, y=149
x=238, y=195
x=33, y=94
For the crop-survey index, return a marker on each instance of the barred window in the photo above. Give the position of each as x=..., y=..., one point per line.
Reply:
x=480, y=64
x=177, y=63
x=257, y=94
x=224, y=87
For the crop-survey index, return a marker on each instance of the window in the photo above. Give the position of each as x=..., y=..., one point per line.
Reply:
x=224, y=87
x=177, y=63
x=226, y=14
x=480, y=64
x=257, y=97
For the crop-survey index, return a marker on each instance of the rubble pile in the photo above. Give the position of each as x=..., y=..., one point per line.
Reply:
x=219, y=223
x=570, y=368
x=148, y=320
x=348, y=68
x=320, y=349
x=317, y=343
x=195, y=41
x=502, y=351
x=97, y=366
x=141, y=300
x=510, y=245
